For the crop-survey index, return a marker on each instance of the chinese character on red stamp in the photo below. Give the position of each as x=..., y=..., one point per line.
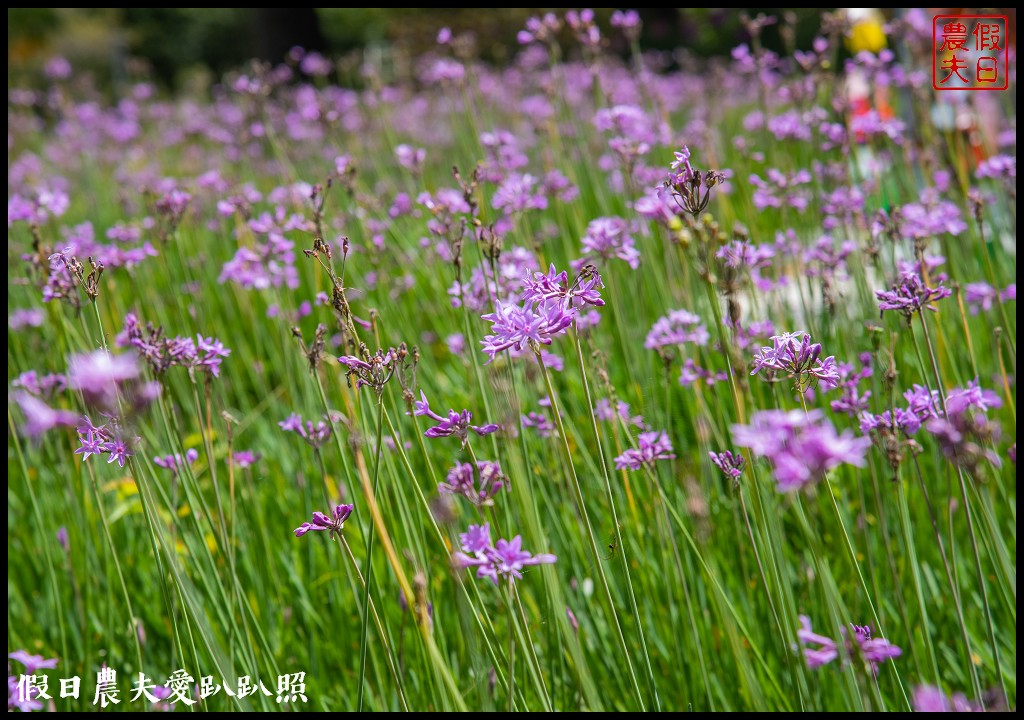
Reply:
x=971, y=52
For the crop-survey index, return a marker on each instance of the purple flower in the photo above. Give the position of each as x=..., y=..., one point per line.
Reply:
x=607, y=238
x=545, y=427
x=506, y=558
x=960, y=399
x=25, y=317
x=910, y=295
x=731, y=464
x=410, y=158
x=518, y=193
x=314, y=435
x=540, y=287
x=676, y=328
x=801, y=447
x=33, y=663
x=603, y=411
x=245, y=458
x=794, y=355
x=818, y=650
x=479, y=486
x=374, y=371
x=457, y=423
x=40, y=418
x=62, y=538
x=333, y=523
x=979, y=296
x=930, y=699
x=100, y=375
x=651, y=446
x=514, y=326
x=174, y=462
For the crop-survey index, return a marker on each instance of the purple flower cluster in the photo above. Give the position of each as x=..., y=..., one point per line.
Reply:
x=603, y=411
x=333, y=524
x=479, y=485
x=852, y=401
x=820, y=650
x=107, y=438
x=691, y=372
x=796, y=356
x=314, y=435
x=550, y=306
x=923, y=405
x=161, y=352
x=911, y=294
x=174, y=462
x=31, y=382
x=930, y=699
x=607, y=238
x=40, y=418
x=457, y=423
x=730, y=463
x=781, y=190
x=29, y=700
x=506, y=558
x=651, y=446
x=543, y=425
x=801, y=447
x=677, y=328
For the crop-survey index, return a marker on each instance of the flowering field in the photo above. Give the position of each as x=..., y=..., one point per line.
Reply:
x=580, y=384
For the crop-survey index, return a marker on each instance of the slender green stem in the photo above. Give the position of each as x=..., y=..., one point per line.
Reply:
x=369, y=560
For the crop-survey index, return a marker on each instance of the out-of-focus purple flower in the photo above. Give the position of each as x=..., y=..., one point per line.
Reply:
x=506, y=558
x=31, y=662
x=99, y=375
x=780, y=190
x=314, y=435
x=874, y=651
x=518, y=193
x=691, y=372
x=541, y=29
x=174, y=463
x=629, y=22
x=979, y=296
x=25, y=317
x=677, y=328
x=245, y=458
x=62, y=538
x=801, y=447
x=607, y=238
x=332, y=524
x=40, y=418
x=456, y=343
x=818, y=650
x=796, y=356
x=930, y=699
x=731, y=464
x=57, y=68
x=853, y=401
x=651, y=446
x=603, y=411
x=543, y=425
x=998, y=166
x=457, y=423
x=931, y=217
x=410, y=158
x=479, y=486
x=959, y=400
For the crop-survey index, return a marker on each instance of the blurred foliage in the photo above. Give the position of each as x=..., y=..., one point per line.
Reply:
x=175, y=42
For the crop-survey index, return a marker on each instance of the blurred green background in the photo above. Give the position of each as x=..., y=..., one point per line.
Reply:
x=175, y=43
